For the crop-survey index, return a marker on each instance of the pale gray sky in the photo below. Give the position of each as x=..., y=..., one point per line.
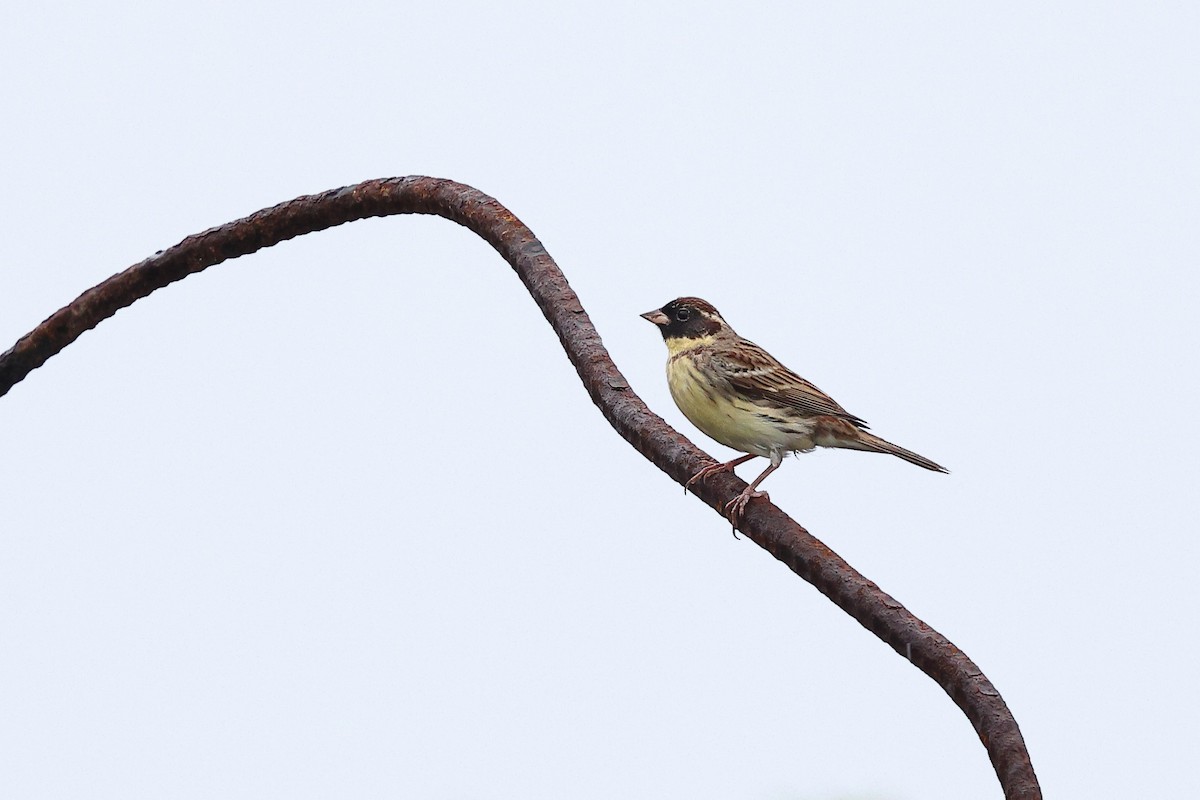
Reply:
x=338, y=520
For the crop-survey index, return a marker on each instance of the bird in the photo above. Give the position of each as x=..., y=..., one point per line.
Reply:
x=743, y=397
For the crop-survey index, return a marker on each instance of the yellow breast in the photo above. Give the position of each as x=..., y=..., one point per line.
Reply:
x=713, y=406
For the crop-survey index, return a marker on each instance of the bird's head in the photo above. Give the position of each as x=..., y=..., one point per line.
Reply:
x=688, y=318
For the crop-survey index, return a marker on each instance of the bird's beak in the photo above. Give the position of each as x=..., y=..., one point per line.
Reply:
x=657, y=317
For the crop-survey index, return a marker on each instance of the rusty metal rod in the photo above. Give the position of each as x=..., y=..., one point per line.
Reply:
x=763, y=522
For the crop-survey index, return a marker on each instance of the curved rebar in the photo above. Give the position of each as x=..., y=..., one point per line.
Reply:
x=762, y=522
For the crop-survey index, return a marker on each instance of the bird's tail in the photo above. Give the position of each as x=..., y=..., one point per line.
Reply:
x=869, y=441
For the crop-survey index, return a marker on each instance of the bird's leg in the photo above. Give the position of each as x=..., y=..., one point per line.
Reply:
x=713, y=469
x=735, y=507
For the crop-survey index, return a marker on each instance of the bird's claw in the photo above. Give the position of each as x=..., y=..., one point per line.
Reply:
x=735, y=507
x=711, y=469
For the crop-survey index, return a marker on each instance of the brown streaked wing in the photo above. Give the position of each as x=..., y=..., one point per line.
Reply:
x=757, y=373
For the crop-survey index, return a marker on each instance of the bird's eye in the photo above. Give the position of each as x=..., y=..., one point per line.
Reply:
x=683, y=314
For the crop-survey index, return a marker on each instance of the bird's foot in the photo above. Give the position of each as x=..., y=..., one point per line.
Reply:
x=735, y=507
x=711, y=469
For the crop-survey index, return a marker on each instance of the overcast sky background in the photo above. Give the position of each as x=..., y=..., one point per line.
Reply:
x=338, y=520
